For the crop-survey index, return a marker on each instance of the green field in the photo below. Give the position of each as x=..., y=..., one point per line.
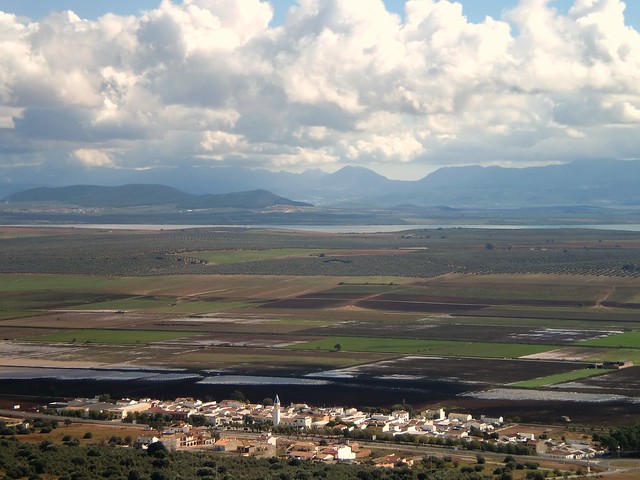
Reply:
x=623, y=340
x=33, y=283
x=115, y=337
x=559, y=378
x=225, y=257
x=5, y=314
x=423, y=347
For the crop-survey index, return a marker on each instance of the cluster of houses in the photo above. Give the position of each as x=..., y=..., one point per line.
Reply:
x=233, y=415
x=300, y=417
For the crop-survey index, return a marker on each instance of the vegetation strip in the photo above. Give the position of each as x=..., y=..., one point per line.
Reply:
x=223, y=257
x=623, y=340
x=424, y=347
x=113, y=336
x=560, y=378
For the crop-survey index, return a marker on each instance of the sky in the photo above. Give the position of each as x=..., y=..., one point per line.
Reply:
x=403, y=88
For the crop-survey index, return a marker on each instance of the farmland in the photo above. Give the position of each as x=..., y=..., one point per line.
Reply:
x=111, y=336
x=424, y=347
x=623, y=340
x=410, y=308
x=558, y=378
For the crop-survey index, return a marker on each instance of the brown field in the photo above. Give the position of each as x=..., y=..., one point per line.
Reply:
x=454, y=328
x=309, y=303
x=228, y=286
x=8, y=332
x=537, y=430
x=588, y=354
x=357, y=252
x=620, y=382
x=71, y=320
x=468, y=301
x=480, y=372
x=21, y=231
x=100, y=433
x=235, y=339
x=269, y=361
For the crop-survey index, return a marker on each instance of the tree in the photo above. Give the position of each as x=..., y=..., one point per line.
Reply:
x=157, y=449
x=239, y=396
x=337, y=347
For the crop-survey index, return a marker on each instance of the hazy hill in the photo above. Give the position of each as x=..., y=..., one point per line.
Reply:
x=601, y=183
x=591, y=183
x=146, y=195
x=594, y=182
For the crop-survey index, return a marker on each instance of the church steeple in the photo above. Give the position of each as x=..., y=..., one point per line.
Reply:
x=276, y=411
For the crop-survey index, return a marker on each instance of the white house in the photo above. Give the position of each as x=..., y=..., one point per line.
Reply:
x=298, y=421
x=436, y=414
x=401, y=415
x=460, y=417
x=345, y=454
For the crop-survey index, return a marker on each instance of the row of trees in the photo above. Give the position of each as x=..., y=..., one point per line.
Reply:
x=70, y=461
x=625, y=438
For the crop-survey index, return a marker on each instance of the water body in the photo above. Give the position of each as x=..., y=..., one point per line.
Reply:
x=632, y=227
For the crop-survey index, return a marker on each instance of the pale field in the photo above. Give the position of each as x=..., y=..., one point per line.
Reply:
x=239, y=286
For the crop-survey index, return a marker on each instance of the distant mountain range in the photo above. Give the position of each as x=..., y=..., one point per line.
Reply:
x=146, y=195
x=603, y=183
x=589, y=183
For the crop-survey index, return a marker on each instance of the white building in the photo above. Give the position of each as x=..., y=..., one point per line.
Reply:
x=437, y=414
x=296, y=421
x=460, y=417
x=401, y=415
x=345, y=454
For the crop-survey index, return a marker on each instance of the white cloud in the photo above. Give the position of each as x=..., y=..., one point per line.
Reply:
x=93, y=158
x=222, y=142
x=339, y=82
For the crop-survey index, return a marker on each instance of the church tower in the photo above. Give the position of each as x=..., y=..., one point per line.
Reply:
x=276, y=411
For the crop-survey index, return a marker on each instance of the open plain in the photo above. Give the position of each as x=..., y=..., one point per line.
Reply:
x=482, y=319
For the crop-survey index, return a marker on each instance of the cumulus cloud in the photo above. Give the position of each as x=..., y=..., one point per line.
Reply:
x=93, y=158
x=338, y=83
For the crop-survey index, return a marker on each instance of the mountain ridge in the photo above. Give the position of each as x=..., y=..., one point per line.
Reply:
x=137, y=195
x=588, y=182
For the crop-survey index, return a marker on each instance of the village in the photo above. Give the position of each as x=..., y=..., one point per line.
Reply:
x=327, y=434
